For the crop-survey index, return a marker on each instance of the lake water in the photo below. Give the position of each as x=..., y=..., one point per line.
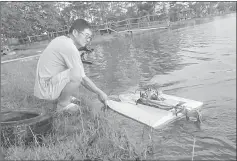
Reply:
x=196, y=62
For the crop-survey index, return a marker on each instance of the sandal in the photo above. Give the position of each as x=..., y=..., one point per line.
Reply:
x=71, y=107
x=75, y=100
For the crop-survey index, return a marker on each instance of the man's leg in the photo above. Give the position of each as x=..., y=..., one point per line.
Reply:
x=66, y=94
x=69, y=84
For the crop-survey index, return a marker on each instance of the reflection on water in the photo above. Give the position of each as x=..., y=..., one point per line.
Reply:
x=196, y=62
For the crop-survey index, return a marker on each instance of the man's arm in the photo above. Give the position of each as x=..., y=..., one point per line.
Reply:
x=76, y=63
x=86, y=82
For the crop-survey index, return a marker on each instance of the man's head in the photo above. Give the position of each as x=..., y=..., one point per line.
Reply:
x=81, y=32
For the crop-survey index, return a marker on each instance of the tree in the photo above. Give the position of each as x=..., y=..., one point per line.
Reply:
x=131, y=10
x=28, y=18
x=34, y=18
x=232, y=6
x=146, y=8
x=174, y=11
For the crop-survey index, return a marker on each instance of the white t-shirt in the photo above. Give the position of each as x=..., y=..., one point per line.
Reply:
x=61, y=54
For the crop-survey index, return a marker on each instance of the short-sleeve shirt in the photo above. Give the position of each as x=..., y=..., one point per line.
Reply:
x=61, y=54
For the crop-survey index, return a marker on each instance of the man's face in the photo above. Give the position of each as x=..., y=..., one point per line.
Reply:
x=83, y=37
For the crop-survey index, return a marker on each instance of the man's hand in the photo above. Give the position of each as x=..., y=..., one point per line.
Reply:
x=86, y=82
x=103, y=98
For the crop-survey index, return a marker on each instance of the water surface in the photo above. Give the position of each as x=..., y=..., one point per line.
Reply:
x=196, y=62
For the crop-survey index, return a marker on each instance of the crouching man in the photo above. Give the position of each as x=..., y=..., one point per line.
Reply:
x=60, y=71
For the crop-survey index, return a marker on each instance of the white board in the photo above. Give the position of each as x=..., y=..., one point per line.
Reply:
x=153, y=117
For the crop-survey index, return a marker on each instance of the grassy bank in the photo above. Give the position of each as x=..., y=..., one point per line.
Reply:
x=87, y=134
x=80, y=136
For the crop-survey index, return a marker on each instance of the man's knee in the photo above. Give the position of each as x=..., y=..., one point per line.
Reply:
x=75, y=76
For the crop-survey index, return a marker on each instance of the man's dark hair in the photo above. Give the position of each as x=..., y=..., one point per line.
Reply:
x=80, y=25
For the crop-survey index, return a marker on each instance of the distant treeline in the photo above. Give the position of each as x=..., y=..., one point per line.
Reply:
x=22, y=19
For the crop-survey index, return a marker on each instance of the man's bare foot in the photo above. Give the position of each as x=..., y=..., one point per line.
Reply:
x=71, y=108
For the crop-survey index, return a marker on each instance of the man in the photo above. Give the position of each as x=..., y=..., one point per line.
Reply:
x=60, y=70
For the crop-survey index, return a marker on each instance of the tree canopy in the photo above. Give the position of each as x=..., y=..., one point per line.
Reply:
x=34, y=18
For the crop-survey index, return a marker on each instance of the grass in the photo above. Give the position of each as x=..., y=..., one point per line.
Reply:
x=81, y=136
x=26, y=50
x=84, y=135
x=194, y=141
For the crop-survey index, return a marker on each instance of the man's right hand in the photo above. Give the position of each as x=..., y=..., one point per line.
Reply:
x=103, y=98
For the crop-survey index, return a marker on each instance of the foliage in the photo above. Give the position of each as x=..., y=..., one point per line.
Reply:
x=28, y=18
x=34, y=18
